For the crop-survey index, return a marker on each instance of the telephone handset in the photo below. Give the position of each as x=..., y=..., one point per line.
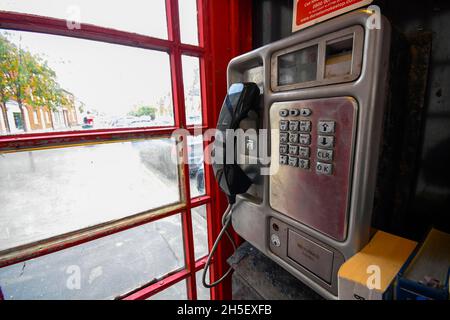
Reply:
x=239, y=101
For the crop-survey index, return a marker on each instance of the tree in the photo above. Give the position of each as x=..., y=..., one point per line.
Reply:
x=27, y=79
x=6, y=48
x=144, y=111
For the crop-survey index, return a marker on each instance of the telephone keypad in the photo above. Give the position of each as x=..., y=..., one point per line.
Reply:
x=305, y=126
x=295, y=141
x=284, y=125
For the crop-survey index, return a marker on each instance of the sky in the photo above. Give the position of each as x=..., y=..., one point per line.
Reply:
x=106, y=77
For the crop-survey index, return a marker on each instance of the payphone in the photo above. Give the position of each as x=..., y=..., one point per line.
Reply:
x=322, y=98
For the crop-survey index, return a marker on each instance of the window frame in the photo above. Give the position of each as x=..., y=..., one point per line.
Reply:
x=36, y=141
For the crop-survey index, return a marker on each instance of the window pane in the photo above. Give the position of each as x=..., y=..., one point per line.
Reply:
x=202, y=292
x=176, y=292
x=200, y=227
x=76, y=84
x=188, y=21
x=144, y=17
x=100, y=269
x=45, y=193
x=196, y=166
x=192, y=95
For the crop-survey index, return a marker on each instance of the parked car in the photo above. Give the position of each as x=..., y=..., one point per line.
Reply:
x=200, y=179
x=160, y=157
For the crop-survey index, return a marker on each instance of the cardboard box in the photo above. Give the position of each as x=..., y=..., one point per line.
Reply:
x=432, y=263
x=370, y=273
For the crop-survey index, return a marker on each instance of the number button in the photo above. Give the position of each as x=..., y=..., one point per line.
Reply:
x=326, y=127
x=283, y=148
x=293, y=150
x=305, y=139
x=293, y=125
x=284, y=125
x=283, y=160
x=284, y=137
x=293, y=138
x=305, y=126
x=324, y=155
x=324, y=168
x=293, y=162
x=325, y=141
x=304, y=152
x=303, y=164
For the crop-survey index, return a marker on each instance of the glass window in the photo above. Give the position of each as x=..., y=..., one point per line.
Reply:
x=188, y=21
x=200, y=227
x=48, y=192
x=175, y=292
x=144, y=17
x=100, y=269
x=192, y=94
x=202, y=292
x=196, y=165
x=87, y=84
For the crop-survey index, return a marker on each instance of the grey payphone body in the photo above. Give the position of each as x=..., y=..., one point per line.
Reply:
x=323, y=91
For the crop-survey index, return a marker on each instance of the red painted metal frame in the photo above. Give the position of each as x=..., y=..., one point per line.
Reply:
x=229, y=30
x=224, y=31
x=159, y=286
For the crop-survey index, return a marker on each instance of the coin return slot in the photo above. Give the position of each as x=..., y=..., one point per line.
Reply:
x=338, y=60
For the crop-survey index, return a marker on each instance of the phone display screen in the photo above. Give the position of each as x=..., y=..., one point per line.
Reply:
x=298, y=66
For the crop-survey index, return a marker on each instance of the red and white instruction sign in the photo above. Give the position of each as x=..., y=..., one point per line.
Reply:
x=310, y=12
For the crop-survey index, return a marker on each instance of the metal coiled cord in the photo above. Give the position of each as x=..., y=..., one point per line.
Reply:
x=226, y=221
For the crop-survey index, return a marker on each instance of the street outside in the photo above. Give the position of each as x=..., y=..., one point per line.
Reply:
x=50, y=192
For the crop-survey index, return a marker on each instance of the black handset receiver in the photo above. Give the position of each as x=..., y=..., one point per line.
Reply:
x=240, y=100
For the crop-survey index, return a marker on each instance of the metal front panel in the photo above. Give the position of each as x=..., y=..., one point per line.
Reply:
x=314, y=196
x=251, y=217
x=314, y=258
